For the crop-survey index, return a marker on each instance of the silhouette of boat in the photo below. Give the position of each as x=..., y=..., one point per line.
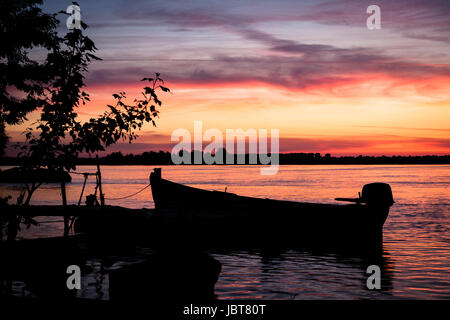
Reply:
x=175, y=275
x=214, y=214
x=41, y=265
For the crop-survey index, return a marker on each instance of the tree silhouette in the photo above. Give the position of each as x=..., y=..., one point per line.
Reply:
x=55, y=86
x=23, y=80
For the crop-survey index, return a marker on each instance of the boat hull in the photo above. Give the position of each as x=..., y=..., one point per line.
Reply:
x=212, y=214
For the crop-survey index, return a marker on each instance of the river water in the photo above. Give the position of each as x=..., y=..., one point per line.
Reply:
x=416, y=248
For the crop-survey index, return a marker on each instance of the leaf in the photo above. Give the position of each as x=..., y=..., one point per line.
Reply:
x=113, y=109
x=90, y=55
x=164, y=89
x=149, y=90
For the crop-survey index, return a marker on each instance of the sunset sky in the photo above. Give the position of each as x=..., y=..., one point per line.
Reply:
x=311, y=69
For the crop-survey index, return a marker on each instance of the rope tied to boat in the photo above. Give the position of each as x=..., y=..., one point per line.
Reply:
x=87, y=174
x=84, y=173
x=129, y=196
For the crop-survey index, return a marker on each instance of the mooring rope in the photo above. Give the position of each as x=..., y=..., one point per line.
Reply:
x=84, y=173
x=133, y=194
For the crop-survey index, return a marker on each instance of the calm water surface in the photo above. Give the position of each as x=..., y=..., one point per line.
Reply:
x=416, y=234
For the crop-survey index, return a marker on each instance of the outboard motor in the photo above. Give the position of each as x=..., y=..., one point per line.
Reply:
x=377, y=194
x=378, y=198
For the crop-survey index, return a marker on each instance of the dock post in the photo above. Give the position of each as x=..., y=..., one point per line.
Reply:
x=99, y=176
x=86, y=175
x=155, y=182
x=64, y=202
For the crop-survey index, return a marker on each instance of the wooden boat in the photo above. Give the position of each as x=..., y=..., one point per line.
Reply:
x=210, y=215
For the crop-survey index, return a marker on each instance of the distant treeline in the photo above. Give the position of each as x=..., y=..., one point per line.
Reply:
x=164, y=158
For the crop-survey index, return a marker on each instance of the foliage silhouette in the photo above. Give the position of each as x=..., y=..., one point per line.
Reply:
x=55, y=88
x=23, y=80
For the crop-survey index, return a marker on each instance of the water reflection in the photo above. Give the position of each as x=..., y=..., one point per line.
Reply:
x=127, y=272
x=32, y=269
x=300, y=273
x=166, y=276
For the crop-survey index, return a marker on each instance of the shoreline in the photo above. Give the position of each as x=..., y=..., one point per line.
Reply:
x=139, y=163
